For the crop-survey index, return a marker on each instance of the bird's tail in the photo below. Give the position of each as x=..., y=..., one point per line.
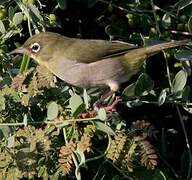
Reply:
x=151, y=50
x=135, y=58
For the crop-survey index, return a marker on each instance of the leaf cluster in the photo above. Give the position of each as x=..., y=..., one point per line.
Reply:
x=50, y=130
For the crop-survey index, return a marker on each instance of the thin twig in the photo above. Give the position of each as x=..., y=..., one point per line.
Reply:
x=48, y=122
x=187, y=142
x=181, y=32
x=168, y=72
x=155, y=17
x=73, y=156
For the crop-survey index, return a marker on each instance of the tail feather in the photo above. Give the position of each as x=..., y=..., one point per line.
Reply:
x=151, y=50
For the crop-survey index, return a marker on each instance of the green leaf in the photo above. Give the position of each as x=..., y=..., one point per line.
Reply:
x=41, y=171
x=5, y=131
x=159, y=175
x=62, y=4
x=183, y=55
x=190, y=24
x=11, y=12
x=166, y=20
x=188, y=109
x=2, y=27
x=76, y=104
x=2, y=102
x=182, y=4
x=102, y=115
x=134, y=103
x=11, y=142
x=35, y=11
x=25, y=119
x=129, y=91
x=162, y=97
x=104, y=128
x=24, y=63
x=86, y=98
x=180, y=81
x=143, y=84
x=186, y=93
x=81, y=158
x=55, y=176
x=52, y=111
x=17, y=18
x=11, y=33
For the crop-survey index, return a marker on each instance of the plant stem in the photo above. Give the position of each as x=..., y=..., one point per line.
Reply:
x=187, y=142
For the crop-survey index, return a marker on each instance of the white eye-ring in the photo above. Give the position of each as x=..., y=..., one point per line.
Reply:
x=35, y=47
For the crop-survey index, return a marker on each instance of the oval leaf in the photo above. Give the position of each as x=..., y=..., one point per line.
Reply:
x=17, y=18
x=52, y=111
x=188, y=109
x=25, y=120
x=86, y=98
x=184, y=55
x=143, y=84
x=186, y=93
x=190, y=24
x=76, y=104
x=62, y=4
x=2, y=27
x=35, y=11
x=166, y=20
x=11, y=142
x=11, y=12
x=182, y=4
x=2, y=102
x=162, y=97
x=129, y=91
x=104, y=128
x=5, y=131
x=102, y=115
x=180, y=81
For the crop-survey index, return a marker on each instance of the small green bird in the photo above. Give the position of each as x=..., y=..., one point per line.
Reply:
x=88, y=63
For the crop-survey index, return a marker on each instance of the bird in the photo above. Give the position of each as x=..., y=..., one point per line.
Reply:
x=90, y=62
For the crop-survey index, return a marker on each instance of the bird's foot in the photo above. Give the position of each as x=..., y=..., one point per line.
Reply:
x=109, y=108
x=112, y=107
x=100, y=104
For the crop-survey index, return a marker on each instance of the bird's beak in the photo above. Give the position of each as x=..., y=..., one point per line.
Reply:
x=20, y=50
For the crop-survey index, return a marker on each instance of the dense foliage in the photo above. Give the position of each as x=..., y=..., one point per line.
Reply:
x=49, y=130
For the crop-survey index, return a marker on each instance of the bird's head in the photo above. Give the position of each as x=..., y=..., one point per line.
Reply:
x=39, y=47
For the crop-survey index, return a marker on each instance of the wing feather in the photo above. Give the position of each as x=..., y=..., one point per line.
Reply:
x=88, y=51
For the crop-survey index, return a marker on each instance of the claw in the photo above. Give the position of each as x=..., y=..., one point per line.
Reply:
x=112, y=107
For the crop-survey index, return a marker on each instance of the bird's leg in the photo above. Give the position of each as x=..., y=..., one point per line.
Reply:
x=112, y=107
x=109, y=108
x=114, y=86
x=100, y=102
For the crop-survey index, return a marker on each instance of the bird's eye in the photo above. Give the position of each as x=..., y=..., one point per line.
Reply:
x=35, y=47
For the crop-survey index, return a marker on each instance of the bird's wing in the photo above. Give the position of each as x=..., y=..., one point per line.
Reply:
x=88, y=51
